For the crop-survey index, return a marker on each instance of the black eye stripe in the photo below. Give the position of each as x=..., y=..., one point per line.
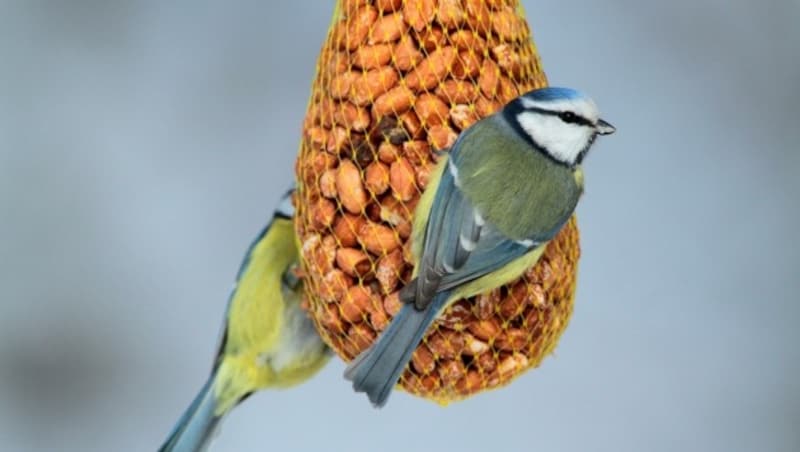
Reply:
x=566, y=116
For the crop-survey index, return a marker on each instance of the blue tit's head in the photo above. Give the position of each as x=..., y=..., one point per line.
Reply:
x=561, y=122
x=285, y=208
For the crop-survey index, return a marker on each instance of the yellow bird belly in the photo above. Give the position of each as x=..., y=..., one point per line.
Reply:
x=270, y=342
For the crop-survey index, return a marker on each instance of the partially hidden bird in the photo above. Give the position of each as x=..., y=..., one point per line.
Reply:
x=505, y=188
x=267, y=339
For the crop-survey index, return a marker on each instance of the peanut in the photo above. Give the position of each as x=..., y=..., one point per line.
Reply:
x=378, y=319
x=424, y=384
x=496, y=4
x=336, y=62
x=337, y=139
x=474, y=346
x=514, y=303
x=508, y=91
x=378, y=239
x=450, y=13
x=371, y=84
x=513, y=339
x=388, y=5
x=457, y=317
x=532, y=317
x=411, y=124
x=346, y=227
x=361, y=337
x=457, y=91
x=327, y=183
x=341, y=85
x=334, y=284
x=486, y=362
x=388, y=29
x=462, y=116
x=489, y=78
x=451, y=371
x=395, y=101
x=467, y=39
x=377, y=178
x=485, y=304
x=319, y=254
x=354, y=304
x=470, y=383
x=353, y=262
x=537, y=296
x=422, y=360
x=485, y=330
x=351, y=117
x=318, y=137
x=327, y=107
x=388, y=272
x=358, y=26
x=323, y=213
x=431, y=39
x=330, y=319
x=431, y=110
x=394, y=212
x=446, y=344
x=351, y=6
x=417, y=151
x=508, y=60
x=348, y=184
x=392, y=304
x=406, y=54
x=387, y=152
x=401, y=179
x=432, y=70
x=507, y=25
x=423, y=173
x=478, y=18
x=485, y=106
x=510, y=365
x=441, y=137
x=468, y=65
x=315, y=166
x=419, y=13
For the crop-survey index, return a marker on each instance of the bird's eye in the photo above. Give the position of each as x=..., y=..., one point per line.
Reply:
x=568, y=116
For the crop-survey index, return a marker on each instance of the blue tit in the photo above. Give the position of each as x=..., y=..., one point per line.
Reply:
x=505, y=188
x=267, y=339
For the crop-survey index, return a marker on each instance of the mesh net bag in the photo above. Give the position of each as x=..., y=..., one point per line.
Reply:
x=397, y=80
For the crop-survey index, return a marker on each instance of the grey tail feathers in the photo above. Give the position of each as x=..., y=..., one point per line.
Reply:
x=196, y=426
x=377, y=369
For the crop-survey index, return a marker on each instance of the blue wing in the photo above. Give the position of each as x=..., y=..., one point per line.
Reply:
x=459, y=245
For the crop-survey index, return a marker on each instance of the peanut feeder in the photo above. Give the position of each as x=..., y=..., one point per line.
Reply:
x=397, y=80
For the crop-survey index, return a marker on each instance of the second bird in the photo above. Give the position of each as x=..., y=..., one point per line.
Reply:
x=268, y=340
x=506, y=188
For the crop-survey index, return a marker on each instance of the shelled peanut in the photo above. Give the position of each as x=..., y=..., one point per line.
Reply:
x=397, y=81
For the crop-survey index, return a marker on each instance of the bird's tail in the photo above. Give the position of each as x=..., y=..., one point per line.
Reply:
x=196, y=426
x=377, y=369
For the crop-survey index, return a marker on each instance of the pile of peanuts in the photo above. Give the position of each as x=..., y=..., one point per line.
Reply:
x=397, y=81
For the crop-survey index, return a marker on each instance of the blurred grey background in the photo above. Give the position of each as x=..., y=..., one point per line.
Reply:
x=144, y=143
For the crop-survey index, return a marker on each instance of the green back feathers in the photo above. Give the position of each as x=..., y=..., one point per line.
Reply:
x=521, y=191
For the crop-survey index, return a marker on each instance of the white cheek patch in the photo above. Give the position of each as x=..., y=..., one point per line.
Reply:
x=561, y=140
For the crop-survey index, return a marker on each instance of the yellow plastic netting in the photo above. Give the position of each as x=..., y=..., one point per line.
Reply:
x=397, y=80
